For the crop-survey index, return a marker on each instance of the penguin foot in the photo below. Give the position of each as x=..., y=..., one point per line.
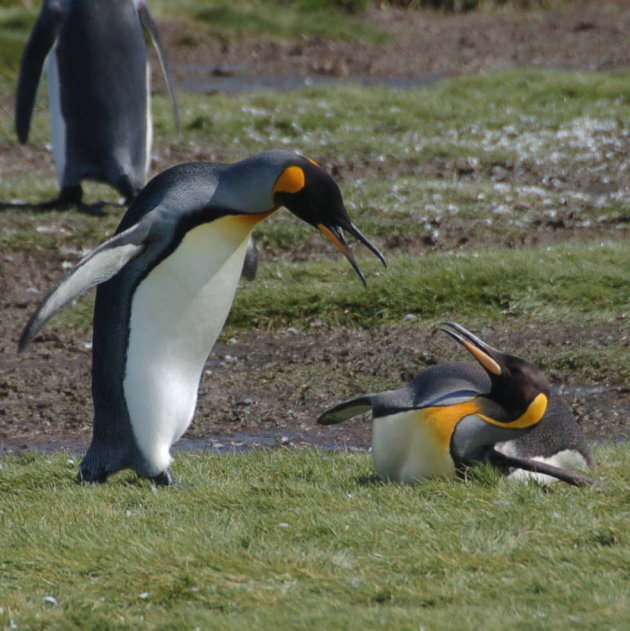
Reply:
x=68, y=197
x=166, y=478
x=126, y=188
x=85, y=476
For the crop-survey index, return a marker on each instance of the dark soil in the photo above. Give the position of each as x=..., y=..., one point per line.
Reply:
x=582, y=35
x=269, y=387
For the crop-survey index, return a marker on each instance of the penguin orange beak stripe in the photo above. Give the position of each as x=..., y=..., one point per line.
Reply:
x=484, y=359
x=475, y=346
x=342, y=246
x=333, y=238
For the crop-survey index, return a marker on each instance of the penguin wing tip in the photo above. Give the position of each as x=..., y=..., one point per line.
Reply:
x=331, y=417
x=22, y=129
x=25, y=340
x=325, y=419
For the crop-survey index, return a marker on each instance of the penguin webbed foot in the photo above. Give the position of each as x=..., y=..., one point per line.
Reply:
x=127, y=189
x=85, y=476
x=166, y=478
x=69, y=197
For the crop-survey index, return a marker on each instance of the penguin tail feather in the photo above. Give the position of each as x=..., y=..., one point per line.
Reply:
x=345, y=410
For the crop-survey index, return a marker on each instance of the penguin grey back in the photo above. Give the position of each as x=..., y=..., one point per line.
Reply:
x=102, y=59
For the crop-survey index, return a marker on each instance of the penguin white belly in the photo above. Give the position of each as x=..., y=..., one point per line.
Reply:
x=57, y=121
x=177, y=313
x=567, y=459
x=406, y=450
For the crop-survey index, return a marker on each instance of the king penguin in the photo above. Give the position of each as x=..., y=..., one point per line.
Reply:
x=499, y=410
x=98, y=86
x=167, y=280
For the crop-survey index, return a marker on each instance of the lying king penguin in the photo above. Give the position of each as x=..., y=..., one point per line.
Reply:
x=499, y=409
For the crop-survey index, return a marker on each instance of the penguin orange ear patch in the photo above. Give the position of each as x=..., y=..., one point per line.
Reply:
x=292, y=180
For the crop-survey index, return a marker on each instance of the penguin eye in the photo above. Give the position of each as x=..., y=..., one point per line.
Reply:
x=517, y=373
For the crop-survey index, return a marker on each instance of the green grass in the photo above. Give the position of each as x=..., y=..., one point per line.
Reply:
x=587, y=281
x=504, y=116
x=16, y=21
x=284, y=20
x=307, y=539
x=517, y=117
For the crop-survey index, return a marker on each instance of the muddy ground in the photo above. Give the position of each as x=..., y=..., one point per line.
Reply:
x=268, y=387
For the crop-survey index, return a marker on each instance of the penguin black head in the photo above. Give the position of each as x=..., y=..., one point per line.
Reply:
x=519, y=391
x=313, y=196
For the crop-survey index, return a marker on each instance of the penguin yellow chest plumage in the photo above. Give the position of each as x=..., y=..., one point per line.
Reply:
x=177, y=313
x=415, y=444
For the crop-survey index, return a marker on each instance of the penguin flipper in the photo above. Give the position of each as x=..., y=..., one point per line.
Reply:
x=570, y=477
x=95, y=268
x=40, y=43
x=250, y=265
x=346, y=409
x=149, y=25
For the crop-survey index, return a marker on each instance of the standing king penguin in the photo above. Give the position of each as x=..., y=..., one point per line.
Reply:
x=168, y=277
x=499, y=409
x=98, y=86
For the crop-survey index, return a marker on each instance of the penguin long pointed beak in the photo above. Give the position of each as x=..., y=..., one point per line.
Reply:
x=336, y=237
x=481, y=351
x=570, y=477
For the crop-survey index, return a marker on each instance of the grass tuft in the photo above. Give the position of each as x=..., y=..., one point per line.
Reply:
x=590, y=282
x=300, y=539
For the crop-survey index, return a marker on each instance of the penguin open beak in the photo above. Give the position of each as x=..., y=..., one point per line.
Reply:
x=482, y=352
x=335, y=235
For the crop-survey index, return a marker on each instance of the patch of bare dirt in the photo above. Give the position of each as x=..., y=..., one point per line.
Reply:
x=583, y=35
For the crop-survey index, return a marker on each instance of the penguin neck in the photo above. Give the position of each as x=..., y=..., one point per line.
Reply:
x=520, y=417
x=246, y=187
